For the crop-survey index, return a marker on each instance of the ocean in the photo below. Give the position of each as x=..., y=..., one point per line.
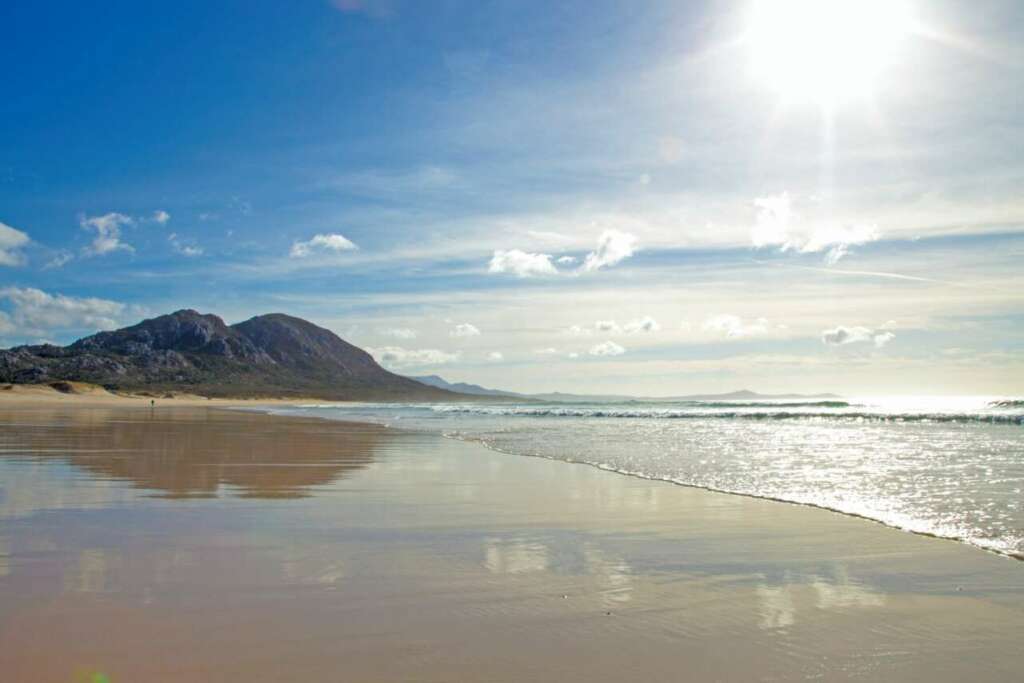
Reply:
x=951, y=467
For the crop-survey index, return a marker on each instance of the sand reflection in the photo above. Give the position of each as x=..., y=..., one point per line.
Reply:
x=190, y=453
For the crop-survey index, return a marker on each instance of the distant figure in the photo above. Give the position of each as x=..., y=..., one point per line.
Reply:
x=152, y=402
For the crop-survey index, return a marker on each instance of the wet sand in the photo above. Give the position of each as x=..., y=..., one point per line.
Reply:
x=200, y=544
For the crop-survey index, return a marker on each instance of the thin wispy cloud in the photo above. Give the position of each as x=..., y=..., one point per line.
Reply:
x=183, y=247
x=465, y=330
x=401, y=358
x=734, y=327
x=12, y=241
x=59, y=260
x=398, y=332
x=107, y=229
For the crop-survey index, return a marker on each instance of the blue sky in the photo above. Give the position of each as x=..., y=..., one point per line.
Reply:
x=652, y=197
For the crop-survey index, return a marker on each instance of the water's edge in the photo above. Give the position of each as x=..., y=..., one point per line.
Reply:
x=275, y=411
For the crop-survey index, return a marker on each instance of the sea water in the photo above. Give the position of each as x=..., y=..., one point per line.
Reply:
x=949, y=467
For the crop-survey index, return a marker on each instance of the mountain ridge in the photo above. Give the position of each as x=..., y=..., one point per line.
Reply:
x=558, y=396
x=271, y=355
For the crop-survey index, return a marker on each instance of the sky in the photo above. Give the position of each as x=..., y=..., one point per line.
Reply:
x=650, y=197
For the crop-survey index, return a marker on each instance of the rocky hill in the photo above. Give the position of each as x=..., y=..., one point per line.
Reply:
x=272, y=355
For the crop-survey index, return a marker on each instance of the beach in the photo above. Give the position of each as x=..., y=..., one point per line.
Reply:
x=191, y=542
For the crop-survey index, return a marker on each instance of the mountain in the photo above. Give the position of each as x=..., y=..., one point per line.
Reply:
x=561, y=397
x=273, y=355
x=743, y=395
x=464, y=387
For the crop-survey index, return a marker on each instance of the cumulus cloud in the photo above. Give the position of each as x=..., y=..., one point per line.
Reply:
x=608, y=348
x=778, y=225
x=160, y=216
x=327, y=243
x=567, y=260
x=11, y=242
x=465, y=330
x=841, y=335
x=184, y=248
x=645, y=324
x=37, y=313
x=398, y=357
x=398, y=332
x=108, y=233
x=612, y=247
x=883, y=338
x=495, y=356
x=549, y=351
x=734, y=327
x=635, y=326
x=521, y=263
x=578, y=331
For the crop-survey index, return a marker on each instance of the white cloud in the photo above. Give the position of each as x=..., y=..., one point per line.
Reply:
x=574, y=355
x=579, y=331
x=495, y=356
x=778, y=225
x=160, y=216
x=521, y=263
x=549, y=351
x=635, y=326
x=59, y=260
x=883, y=338
x=841, y=335
x=37, y=312
x=398, y=332
x=322, y=243
x=11, y=242
x=465, y=330
x=608, y=348
x=612, y=247
x=398, y=357
x=108, y=233
x=567, y=260
x=733, y=327
x=6, y=325
x=645, y=324
x=183, y=248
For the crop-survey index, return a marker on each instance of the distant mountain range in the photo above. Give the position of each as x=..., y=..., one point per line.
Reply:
x=272, y=355
x=477, y=390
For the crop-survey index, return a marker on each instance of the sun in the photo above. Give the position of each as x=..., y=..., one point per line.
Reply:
x=825, y=51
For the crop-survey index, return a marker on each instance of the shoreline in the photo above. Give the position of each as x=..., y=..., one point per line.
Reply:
x=812, y=506
x=96, y=396
x=268, y=544
x=1018, y=557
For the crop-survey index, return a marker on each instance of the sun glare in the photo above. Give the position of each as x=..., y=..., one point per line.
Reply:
x=825, y=50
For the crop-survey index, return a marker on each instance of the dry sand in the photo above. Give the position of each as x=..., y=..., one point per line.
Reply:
x=199, y=544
